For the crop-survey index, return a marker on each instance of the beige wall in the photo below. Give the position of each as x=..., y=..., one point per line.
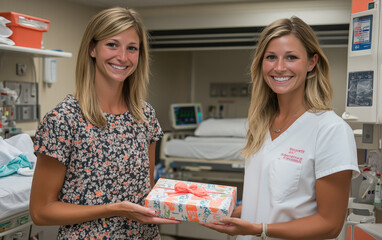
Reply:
x=177, y=76
x=338, y=70
x=169, y=82
x=175, y=73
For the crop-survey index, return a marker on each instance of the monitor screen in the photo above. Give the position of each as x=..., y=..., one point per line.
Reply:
x=186, y=115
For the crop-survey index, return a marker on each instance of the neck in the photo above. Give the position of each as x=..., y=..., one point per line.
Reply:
x=290, y=102
x=117, y=106
x=288, y=111
x=110, y=98
x=283, y=121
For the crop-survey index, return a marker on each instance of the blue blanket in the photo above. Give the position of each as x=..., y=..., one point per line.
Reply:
x=20, y=161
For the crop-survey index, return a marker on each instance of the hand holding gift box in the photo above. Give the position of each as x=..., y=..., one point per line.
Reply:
x=190, y=201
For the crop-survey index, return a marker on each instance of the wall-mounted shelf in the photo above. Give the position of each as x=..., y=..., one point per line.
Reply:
x=34, y=51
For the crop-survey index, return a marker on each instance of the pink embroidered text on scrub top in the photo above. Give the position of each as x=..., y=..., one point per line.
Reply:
x=294, y=155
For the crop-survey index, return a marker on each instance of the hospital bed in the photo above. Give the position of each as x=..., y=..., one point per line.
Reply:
x=197, y=145
x=183, y=150
x=215, y=145
x=15, y=221
x=15, y=188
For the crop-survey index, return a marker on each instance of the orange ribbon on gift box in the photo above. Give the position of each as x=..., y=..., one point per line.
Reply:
x=182, y=188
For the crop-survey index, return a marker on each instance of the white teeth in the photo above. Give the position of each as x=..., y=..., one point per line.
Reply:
x=281, y=79
x=118, y=67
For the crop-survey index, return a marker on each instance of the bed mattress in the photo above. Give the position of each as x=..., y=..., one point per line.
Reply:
x=211, y=148
x=14, y=194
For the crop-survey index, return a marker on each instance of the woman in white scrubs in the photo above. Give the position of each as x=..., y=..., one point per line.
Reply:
x=300, y=156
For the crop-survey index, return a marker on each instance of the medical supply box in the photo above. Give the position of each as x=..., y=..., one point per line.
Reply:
x=27, y=30
x=191, y=201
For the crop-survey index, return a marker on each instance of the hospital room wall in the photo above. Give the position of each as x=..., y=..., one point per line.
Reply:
x=169, y=82
x=231, y=66
x=175, y=74
x=67, y=24
x=178, y=76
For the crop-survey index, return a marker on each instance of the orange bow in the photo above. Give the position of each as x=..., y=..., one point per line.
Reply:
x=182, y=188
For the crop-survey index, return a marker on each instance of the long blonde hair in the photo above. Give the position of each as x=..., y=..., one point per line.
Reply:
x=264, y=104
x=105, y=24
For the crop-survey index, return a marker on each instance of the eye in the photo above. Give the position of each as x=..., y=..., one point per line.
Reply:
x=132, y=49
x=291, y=58
x=270, y=57
x=111, y=44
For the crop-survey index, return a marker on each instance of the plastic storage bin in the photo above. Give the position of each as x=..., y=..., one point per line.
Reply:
x=27, y=30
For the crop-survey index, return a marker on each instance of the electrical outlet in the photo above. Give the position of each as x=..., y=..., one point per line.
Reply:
x=21, y=69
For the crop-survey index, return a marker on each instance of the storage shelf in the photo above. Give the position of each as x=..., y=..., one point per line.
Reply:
x=34, y=51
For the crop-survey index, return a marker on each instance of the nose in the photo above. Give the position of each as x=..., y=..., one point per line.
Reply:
x=122, y=55
x=280, y=65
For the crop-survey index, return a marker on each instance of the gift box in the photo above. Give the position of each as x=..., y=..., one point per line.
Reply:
x=191, y=201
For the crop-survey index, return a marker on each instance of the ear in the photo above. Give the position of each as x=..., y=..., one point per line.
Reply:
x=312, y=62
x=92, y=51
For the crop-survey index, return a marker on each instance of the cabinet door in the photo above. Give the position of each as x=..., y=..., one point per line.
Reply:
x=43, y=232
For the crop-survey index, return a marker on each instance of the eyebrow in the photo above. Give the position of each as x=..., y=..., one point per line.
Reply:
x=116, y=40
x=288, y=52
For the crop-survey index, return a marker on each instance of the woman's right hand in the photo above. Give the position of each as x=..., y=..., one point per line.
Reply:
x=142, y=214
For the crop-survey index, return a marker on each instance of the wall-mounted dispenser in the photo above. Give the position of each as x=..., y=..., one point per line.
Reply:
x=50, y=70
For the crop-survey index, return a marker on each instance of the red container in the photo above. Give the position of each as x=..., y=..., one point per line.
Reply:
x=27, y=30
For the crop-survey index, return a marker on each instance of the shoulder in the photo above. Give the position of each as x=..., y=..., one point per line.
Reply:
x=147, y=106
x=67, y=109
x=326, y=118
x=329, y=121
x=148, y=110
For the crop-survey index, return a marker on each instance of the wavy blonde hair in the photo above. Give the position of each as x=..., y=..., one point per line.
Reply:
x=105, y=24
x=264, y=104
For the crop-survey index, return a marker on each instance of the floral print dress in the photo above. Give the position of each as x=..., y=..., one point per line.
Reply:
x=103, y=165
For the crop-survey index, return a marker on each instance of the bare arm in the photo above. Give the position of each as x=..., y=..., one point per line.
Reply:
x=45, y=209
x=332, y=193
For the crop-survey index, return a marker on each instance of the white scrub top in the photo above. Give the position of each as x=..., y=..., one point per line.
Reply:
x=280, y=179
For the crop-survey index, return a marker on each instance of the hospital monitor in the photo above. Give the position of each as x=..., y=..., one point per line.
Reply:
x=185, y=115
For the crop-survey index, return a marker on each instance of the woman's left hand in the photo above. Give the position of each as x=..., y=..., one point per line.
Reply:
x=234, y=226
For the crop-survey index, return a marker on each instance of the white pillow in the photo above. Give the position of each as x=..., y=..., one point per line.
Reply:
x=231, y=127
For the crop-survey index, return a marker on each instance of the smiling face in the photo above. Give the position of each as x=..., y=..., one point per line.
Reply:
x=286, y=64
x=116, y=57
